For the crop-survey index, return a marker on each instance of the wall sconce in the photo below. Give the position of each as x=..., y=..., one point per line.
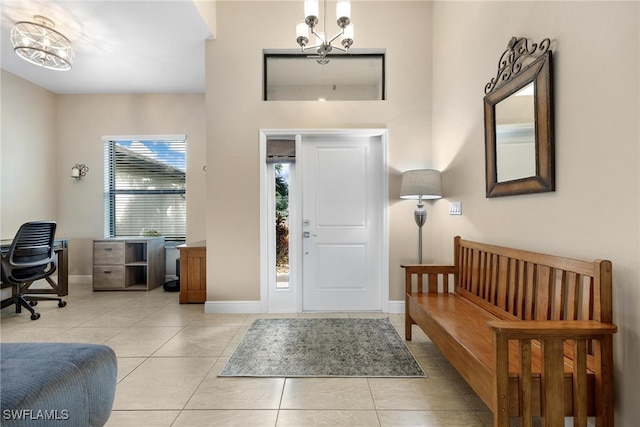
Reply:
x=78, y=171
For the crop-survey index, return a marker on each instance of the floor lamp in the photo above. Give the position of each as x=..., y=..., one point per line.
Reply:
x=420, y=185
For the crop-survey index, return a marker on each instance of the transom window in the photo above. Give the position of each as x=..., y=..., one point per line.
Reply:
x=346, y=77
x=145, y=188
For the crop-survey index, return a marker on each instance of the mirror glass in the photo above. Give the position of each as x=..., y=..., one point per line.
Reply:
x=515, y=136
x=519, y=139
x=353, y=77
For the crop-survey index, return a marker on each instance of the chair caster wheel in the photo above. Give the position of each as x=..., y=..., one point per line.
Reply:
x=35, y=316
x=33, y=303
x=62, y=304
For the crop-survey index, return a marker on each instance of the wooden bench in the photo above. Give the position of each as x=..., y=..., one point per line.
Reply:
x=532, y=334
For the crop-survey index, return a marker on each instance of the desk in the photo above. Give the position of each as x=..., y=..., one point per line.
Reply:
x=61, y=248
x=193, y=272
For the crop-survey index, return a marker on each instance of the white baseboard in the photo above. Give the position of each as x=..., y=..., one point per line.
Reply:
x=234, y=307
x=395, y=307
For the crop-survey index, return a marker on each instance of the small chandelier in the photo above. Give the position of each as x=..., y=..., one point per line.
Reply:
x=323, y=44
x=38, y=43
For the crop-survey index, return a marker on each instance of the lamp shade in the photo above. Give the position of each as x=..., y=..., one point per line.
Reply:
x=421, y=184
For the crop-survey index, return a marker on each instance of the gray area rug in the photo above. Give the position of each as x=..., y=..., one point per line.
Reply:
x=322, y=348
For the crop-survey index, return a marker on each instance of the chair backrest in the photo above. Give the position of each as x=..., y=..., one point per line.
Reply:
x=31, y=255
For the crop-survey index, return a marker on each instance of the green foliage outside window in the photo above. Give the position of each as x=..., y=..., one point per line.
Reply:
x=282, y=220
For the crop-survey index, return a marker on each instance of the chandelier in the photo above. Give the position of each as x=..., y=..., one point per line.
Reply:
x=38, y=43
x=324, y=44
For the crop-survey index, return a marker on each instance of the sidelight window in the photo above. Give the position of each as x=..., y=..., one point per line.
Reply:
x=282, y=224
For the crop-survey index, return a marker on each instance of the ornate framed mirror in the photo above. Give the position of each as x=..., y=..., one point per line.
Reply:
x=518, y=122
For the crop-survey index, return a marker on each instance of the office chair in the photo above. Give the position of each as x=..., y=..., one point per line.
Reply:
x=30, y=257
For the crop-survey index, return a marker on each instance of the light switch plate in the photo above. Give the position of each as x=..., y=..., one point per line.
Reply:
x=455, y=208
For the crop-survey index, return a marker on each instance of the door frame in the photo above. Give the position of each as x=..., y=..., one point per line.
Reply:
x=274, y=300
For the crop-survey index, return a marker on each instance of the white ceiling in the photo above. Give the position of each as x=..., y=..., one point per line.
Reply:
x=147, y=46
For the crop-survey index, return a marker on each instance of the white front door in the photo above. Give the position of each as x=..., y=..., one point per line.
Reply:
x=342, y=223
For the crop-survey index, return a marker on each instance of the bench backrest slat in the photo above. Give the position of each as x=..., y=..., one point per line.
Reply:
x=529, y=292
x=543, y=295
x=516, y=284
x=532, y=286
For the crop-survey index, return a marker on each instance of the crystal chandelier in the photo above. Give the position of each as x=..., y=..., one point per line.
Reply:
x=38, y=43
x=323, y=44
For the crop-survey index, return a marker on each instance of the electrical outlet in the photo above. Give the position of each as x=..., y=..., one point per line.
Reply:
x=455, y=208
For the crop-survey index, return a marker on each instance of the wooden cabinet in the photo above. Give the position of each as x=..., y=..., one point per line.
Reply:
x=132, y=264
x=193, y=272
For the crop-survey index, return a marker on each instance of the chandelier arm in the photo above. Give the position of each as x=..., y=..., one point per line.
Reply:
x=335, y=38
x=304, y=49
x=341, y=49
x=319, y=37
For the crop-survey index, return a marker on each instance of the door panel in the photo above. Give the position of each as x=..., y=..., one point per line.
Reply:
x=340, y=267
x=340, y=179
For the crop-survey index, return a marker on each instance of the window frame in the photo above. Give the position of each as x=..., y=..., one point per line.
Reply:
x=111, y=192
x=353, y=54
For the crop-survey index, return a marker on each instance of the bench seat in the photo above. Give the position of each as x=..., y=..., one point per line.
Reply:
x=458, y=328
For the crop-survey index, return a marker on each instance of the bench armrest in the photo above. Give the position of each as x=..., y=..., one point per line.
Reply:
x=552, y=334
x=432, y=271
x=437, y=276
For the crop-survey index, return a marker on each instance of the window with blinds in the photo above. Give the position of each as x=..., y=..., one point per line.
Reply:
x=145, y=188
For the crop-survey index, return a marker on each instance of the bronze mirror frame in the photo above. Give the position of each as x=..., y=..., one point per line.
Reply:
x=510, y=79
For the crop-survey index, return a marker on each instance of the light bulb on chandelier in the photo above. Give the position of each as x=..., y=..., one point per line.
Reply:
x=324, y=46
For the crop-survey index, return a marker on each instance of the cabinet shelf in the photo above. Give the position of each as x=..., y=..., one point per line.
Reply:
x=128, y=264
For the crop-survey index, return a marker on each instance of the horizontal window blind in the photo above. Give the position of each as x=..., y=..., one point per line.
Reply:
x=281, y=151
x=146, y=182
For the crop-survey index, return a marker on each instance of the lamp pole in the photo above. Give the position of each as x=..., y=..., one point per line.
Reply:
x=420, y=215
x=421, y=184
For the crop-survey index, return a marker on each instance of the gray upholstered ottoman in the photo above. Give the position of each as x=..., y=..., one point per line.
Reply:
x=43, y=384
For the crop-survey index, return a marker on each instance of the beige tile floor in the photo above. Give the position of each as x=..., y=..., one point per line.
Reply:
x=169, y=356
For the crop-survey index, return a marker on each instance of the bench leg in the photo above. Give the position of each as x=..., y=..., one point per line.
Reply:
x=501, y=381
x=552, y=383
x=407, y=326
x=604, y=383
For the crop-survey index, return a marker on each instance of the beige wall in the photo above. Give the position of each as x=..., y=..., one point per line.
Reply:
x=27, y=147
x=235, y=114
x=83, y=121
x=595, y=211
x=44, y=135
